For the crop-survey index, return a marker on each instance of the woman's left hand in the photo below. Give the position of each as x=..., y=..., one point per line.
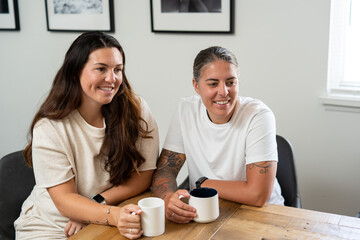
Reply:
x=73, y=227
x=127, y=219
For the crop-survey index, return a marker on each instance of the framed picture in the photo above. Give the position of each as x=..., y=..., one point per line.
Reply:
x=192, y=16
x=80, y=15
x=9, y=15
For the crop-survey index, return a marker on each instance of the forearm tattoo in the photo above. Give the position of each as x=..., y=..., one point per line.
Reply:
x=168, y=166
x=262, y=166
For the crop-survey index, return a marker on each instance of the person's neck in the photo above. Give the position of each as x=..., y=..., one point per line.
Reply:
x=219, y=122
x=92, y=116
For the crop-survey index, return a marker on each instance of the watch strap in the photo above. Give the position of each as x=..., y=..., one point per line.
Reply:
x=200, y=181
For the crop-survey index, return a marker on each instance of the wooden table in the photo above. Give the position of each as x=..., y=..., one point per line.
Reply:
x=238, y=221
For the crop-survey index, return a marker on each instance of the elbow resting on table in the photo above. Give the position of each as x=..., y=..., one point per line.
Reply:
x=260, y=202
x=260, y=198
x=256, y=199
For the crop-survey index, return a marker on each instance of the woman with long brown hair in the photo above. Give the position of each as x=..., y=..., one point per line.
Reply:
x=93, y=143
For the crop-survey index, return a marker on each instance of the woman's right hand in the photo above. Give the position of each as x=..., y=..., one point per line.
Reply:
x=127, y=220
x=176, y=210
x=73, y=227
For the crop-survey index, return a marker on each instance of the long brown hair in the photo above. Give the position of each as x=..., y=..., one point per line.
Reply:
x=124, y=124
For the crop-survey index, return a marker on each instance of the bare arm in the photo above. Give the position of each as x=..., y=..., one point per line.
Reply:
x=86, y=208
x=168, y=167
x=164, y=186
x=81, y=209
x=255, y=191
x=138, y=183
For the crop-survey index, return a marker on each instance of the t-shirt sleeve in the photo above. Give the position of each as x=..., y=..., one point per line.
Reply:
x=50, y=162
x=261, y=138
x=174, y=139
x=149, y=147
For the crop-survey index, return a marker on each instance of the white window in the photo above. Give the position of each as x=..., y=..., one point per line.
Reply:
x=343, y=83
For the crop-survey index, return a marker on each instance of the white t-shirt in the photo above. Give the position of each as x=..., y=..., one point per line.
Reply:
x=65, y=149
x=222, y=151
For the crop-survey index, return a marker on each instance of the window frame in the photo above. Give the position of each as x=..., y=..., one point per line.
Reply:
x=340, y=95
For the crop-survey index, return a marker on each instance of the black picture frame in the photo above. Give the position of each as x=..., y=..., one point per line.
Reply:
x=75, y=18
x=9, y=15
x=169, y=16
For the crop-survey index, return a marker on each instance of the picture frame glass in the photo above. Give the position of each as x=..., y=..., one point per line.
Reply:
x=80, y=15
x=212, y=16
x=9, y=18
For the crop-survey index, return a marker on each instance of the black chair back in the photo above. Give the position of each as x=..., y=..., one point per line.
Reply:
x=16, y=182
x=286, y=173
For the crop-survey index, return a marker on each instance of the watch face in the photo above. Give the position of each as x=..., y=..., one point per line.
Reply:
x=98, y=198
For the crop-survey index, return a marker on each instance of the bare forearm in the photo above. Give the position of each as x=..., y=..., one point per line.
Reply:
x=135, y=185
x=82, y=209
x=163, y=182
x=237, y=191
x=255, y=191
x=168, y=167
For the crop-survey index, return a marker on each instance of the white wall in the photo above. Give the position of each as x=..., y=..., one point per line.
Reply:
x=282, y=50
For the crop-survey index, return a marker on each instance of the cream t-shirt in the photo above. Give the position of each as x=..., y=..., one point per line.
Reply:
x=65, y=149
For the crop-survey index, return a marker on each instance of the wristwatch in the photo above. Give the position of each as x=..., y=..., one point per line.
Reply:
x=200, y=181
x=98, y=198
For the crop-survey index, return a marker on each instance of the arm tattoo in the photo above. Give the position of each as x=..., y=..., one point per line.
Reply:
x=263, y=166
x=168, y=166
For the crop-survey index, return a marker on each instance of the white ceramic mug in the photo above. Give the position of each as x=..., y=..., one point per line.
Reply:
x=153, y=216
x=206, y=203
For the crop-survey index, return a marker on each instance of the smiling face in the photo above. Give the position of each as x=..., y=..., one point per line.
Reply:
x=218, y=89
x=101, y=77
